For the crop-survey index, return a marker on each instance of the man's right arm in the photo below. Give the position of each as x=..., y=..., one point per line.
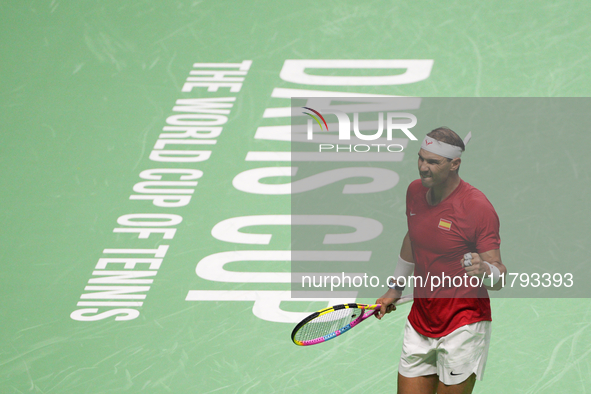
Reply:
x=406, y=250
x=392, y=295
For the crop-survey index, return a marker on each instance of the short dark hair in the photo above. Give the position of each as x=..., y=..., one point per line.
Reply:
x=447, y=135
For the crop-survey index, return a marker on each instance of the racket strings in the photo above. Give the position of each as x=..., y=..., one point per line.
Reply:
x=327, y=323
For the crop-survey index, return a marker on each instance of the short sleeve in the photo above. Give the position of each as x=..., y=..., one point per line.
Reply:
x=486, y=225
x=412, y=191
x=408, y=200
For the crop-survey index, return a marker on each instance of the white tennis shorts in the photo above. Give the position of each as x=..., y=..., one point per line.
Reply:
x=453, y=357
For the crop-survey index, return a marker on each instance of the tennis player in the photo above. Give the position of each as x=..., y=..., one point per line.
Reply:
x=453, y=231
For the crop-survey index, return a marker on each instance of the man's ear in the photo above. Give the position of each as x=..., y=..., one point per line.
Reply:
x=455, y=163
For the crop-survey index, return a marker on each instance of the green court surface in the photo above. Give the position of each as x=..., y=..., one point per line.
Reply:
x=87, y=88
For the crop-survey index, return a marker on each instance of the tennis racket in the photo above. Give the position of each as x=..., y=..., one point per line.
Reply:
x=333, y=321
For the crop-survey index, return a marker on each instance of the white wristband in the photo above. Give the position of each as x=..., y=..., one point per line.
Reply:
x=403, y=270
x=494, y=272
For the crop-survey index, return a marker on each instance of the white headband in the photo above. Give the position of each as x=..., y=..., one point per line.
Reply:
x=442, y=149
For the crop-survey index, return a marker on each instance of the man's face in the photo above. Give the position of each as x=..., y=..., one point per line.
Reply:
x=434, y=169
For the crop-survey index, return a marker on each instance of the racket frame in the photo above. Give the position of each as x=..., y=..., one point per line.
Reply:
x=362, y=316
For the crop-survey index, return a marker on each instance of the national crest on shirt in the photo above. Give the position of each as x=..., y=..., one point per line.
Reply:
x=445, y=224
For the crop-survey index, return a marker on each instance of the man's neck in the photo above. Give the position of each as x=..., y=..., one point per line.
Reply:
x=436, y=194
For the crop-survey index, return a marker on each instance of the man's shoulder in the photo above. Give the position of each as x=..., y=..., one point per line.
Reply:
x=472, y=192
x=472, y=196
x=416, y=186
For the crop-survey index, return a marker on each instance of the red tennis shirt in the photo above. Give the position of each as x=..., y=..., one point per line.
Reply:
x=440, y=236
